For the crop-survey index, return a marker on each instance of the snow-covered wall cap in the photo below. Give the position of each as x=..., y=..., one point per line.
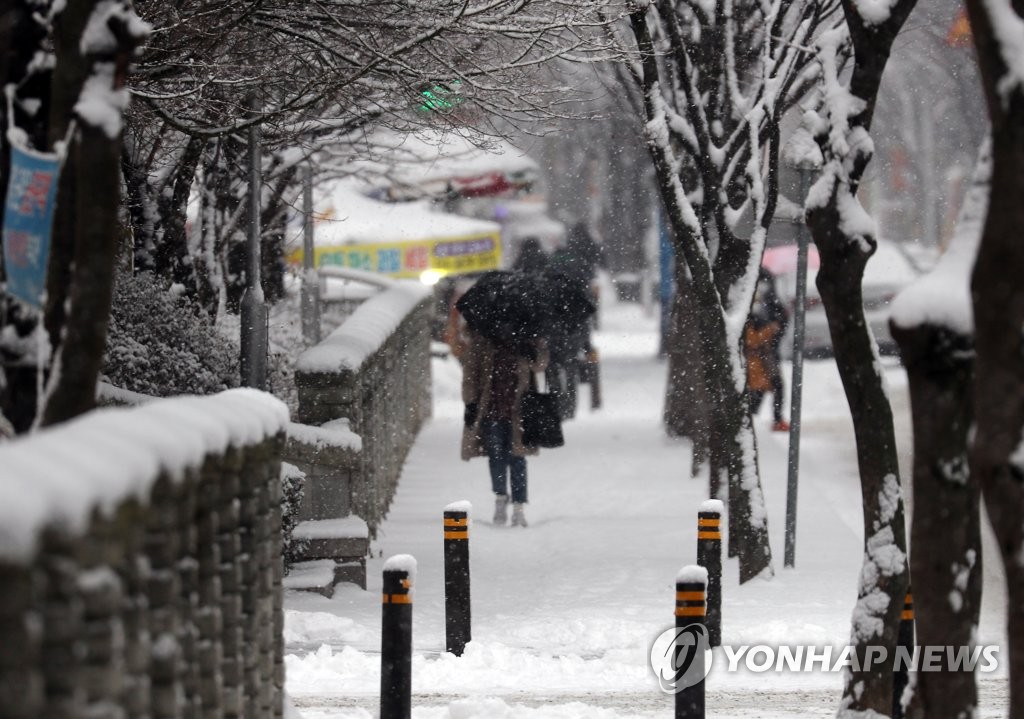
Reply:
x=351, y=527
x=463, y=506
x=109, y=394
x=374, y=279
x=712, y=505
x=362, y=334
x=324, y=436
x=692, y=573
x=401, y=563
x=60, y=475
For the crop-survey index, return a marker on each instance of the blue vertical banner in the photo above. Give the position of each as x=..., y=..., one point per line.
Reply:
x=666, y=284
x=28, y=217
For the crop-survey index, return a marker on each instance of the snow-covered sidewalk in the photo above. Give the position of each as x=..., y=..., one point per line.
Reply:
x=564, y=612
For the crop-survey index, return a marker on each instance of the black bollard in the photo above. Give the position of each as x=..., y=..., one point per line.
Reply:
x=905, y=639
x=691, y=636
x=709, y=556
x=457, y=630
x=396, y=638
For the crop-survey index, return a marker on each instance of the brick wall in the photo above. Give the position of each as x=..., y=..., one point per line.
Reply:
x=167, y=605
x=386, y=401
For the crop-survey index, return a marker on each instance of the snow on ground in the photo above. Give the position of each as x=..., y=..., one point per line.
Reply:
x=565, y=611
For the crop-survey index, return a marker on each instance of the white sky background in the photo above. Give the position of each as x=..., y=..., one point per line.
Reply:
x=564, y=611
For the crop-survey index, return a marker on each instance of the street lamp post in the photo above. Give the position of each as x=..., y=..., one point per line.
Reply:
x=802, y=154
x=310, y=279
x=254, y=338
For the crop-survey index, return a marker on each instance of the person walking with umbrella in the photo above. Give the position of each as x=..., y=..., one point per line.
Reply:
x=495, y=377
x=509, y=316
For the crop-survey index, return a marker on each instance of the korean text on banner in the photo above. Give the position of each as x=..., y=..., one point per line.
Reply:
x=446, y=256
x=28, y=216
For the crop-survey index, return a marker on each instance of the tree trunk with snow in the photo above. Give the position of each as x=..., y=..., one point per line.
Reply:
x=715, y=80
x=946, y=531
x=94, y=43
x=687, y=405
x=844, y=235
x=997, y=457
x=730, y=428
x=931, y=321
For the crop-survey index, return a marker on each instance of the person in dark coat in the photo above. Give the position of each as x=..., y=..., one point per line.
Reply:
x=532, y=257
x=575, y=263
x=762, y=339
x=494, y=379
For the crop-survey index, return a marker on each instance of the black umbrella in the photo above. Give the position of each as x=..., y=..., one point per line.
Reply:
x=514, y=308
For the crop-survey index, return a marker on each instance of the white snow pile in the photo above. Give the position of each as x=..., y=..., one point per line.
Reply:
x=347, y=217
x=59, y=476
x=362, y=334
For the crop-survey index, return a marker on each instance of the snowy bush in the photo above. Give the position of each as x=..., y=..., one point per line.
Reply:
x=160, y=343
x=293, y=482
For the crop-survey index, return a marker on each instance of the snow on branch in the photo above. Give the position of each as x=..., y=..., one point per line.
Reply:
x=1008, y=30
x=874, y=12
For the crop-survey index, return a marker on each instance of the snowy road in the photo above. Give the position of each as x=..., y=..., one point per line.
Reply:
x=564, y=611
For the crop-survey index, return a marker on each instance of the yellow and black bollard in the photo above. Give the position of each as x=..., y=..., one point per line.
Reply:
x=396, y=638
x=709, y=556
x=904, y=639
x=691, y=642
x=456, y=577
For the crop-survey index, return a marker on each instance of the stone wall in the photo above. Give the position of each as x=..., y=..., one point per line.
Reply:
x=383, y=390
x=157, y=592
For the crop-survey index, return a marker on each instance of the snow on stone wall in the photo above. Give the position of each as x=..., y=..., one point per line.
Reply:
x=59, y=476
x=363, y=334
x=140, y=556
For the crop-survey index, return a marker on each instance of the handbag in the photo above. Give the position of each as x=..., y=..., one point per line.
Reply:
x=542, y=425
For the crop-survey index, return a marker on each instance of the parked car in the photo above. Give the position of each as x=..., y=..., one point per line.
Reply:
x=888, y=271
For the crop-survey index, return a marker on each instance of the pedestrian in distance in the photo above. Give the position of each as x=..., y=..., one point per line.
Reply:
x=494, y=379
x=762, y=337
x=532, y=258
x=573, y=356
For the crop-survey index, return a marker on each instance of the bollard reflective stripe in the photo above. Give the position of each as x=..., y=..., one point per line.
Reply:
x=709, y=526
x=690, y=600
x=455, y=527
x=396, y=589
x=908, y=608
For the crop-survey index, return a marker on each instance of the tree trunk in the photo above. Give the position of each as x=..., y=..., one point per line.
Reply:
x=884, y=579
x=945, y=565
x=90, y=226
x=80, y=357
x=845, y=247
x=686, y=401
x=997, y=457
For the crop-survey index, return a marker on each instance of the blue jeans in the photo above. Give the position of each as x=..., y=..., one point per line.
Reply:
x=498, y=443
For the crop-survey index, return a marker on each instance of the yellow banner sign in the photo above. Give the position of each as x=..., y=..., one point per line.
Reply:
x=448, y=256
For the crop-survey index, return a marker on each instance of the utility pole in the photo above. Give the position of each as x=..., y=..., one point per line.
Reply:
x=310, y=279
x=254, y=331
x=801, y=154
